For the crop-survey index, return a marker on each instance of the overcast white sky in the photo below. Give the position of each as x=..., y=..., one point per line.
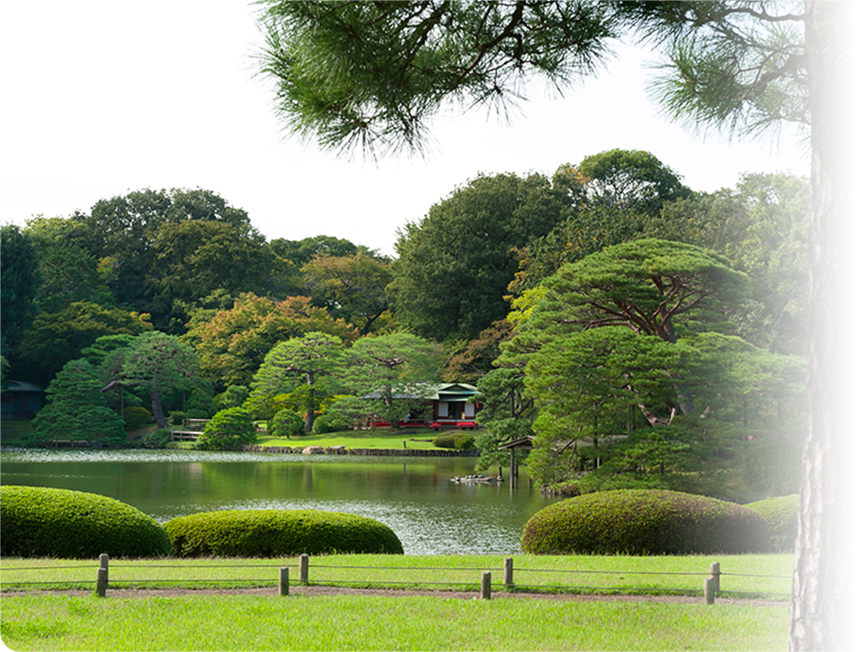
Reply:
x=103, y=97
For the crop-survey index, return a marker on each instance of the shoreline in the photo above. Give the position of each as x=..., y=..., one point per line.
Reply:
x=372, y=452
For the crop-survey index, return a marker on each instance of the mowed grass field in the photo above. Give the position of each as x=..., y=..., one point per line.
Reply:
x=395, y=438
x=509, y=621
x=354, y=622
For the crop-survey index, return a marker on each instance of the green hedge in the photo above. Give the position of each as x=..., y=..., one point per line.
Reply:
x=455, y=439
x=136, y=417
x=644, y=522
x=780, y=516
x=229, y=429
x=46, y=522
x=278, y=533
x=286, y=423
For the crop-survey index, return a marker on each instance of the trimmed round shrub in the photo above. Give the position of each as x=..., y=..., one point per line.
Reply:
x=780, y=516
x=158, y=438
x=285, y=423
x=330, y=422
x=278, y=533
x=457, y=440
x=228, y=430
x=136, y=417
x=644, y=522
x=775, y=467
x=47, y=522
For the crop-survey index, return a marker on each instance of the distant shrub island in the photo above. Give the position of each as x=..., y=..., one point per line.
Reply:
x=46, y=522
x=644, y=522
x=278, y=533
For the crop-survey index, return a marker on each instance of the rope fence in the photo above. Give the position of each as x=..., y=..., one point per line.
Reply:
x=363, y=577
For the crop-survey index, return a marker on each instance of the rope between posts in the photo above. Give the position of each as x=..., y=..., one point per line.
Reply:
x=394, y=568
x=603, y=572
x=122, y=565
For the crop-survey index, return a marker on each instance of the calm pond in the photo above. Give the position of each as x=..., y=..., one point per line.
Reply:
x=412, y=495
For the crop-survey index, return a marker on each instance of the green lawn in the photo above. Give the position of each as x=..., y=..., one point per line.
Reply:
x=57, y=622
x=377, y=438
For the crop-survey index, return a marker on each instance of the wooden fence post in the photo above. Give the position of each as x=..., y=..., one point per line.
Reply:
x=486, y=585
x=102, y=576
x=709, y=590
x=303, y=568
x=284, y=581
x=715, y=569
x=508, y=572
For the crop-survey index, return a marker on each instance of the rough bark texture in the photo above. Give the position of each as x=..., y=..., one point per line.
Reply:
x=822, y=609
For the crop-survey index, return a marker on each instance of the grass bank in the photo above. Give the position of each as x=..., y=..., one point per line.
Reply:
x=57, y=622
x=395, y=438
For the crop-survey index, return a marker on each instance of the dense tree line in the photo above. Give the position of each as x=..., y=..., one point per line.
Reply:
x=641, y=332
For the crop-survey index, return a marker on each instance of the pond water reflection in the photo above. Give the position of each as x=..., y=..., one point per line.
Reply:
x=414, y=496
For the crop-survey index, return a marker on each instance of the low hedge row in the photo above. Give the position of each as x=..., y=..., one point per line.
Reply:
x=457, y=440
x=275, y=533
x=644, y=522
x=46, y=522
x=780, y=516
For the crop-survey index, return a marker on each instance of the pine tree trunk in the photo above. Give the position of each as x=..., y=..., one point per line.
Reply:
x=821, y=613
x=309, y=405
x=158, y=412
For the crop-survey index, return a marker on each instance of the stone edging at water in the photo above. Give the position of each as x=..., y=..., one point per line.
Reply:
x=379, y=452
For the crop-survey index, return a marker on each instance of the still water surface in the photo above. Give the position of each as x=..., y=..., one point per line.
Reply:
x=412, y=495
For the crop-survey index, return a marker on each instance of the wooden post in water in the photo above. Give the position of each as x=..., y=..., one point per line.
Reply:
x=102, y=576
x=709, y=590
x=284, y=581
x=486, y=585
x=303, y=568
x=508, y=572
x=715, y=569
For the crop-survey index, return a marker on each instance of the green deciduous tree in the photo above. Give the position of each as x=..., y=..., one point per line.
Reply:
x=631, y=180
x=20, y=280
x=456, y=264
x=125, y=234
x=58, y=337
x=300, y=252
x=69, y=272
x=232, y=343
x=195, y=258
x=352, y=288
x=612, y=195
